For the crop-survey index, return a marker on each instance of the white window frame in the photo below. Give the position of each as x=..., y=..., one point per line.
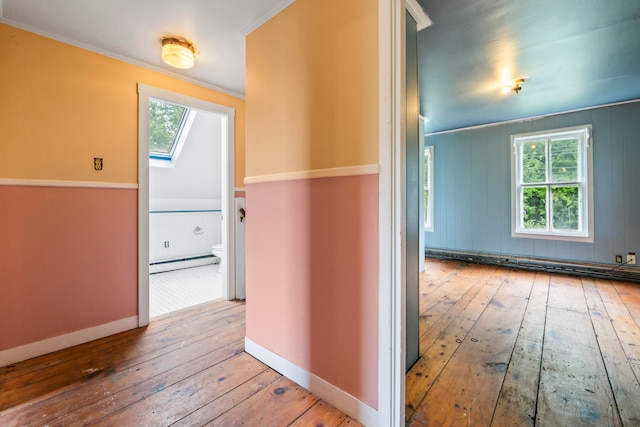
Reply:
x=584, y=182
x=169, y=160
x=428, y=185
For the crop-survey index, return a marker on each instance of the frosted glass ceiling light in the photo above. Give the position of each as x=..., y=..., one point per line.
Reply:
x=178, y=53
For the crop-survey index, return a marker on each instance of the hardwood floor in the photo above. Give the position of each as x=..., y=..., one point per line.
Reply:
x=188, y=369
x=499, y=348
x=515, y=348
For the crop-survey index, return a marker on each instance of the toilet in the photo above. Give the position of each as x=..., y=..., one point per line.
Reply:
x=217, y=251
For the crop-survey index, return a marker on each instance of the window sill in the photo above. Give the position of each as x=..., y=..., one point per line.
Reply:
x=560, y=237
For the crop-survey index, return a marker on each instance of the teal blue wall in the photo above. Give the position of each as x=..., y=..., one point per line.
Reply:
x=472, y=187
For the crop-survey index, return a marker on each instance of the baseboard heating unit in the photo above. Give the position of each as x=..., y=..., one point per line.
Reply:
x=601, y=271
x=175, y=264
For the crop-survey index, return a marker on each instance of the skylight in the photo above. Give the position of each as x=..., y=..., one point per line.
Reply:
x=168, y=127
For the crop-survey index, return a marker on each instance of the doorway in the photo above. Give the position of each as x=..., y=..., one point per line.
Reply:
x=225, y=115
x=185, y=216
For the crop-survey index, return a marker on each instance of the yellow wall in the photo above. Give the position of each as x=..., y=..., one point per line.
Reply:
x=312, y=88
x=61, y=106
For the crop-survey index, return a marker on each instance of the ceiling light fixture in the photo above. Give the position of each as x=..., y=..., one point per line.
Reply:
x=178, y=52
x=513, y=86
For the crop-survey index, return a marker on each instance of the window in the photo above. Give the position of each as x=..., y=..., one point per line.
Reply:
x=552, y=191
x=169, y=126
x=428, y=188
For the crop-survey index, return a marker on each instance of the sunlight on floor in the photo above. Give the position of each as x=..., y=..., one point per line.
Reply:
x=178, y=289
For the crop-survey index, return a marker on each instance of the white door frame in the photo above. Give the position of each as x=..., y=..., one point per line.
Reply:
x=392, y=285
x=227, y=115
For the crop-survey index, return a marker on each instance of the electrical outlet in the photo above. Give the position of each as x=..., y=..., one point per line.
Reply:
x=631, y=258
x=618, y=259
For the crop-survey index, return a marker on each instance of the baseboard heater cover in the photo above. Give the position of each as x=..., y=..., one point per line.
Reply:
x=183, y=259
x=600, y=271
x=180, y=263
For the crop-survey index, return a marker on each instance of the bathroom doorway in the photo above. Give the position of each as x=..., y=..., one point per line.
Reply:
x=189, y=215
x=185, y=216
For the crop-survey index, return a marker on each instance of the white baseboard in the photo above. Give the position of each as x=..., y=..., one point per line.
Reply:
x=27, y=351
x=342, y=400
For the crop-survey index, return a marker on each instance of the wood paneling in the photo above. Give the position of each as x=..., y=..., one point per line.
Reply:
x=502, y=347
x=472, y=187
x=186, y=369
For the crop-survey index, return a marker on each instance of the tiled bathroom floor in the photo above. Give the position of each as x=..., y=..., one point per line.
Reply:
x=178, y=289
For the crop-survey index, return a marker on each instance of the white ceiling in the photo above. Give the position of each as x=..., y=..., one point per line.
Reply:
x=132, y=30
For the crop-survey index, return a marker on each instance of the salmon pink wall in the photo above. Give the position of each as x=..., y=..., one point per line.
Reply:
x=68, y=259
x=312, y=277
x=312, y=244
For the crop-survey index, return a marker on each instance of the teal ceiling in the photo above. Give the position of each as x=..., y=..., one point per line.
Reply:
x=572, y=53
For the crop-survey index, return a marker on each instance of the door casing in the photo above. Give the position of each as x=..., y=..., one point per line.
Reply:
x=227, y=115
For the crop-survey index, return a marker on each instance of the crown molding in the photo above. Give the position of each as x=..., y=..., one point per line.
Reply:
x=418, y=13
x=531, y=118
x=277, y=8
x=116, y=56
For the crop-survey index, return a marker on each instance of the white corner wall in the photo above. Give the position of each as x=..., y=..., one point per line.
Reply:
x=197, y=174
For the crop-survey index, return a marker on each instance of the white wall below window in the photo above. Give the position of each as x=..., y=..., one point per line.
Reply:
x=183, y=235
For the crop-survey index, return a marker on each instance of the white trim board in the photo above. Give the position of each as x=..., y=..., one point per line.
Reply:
x=227, y=203
x=27, y=351
x=315, y=173
x=418, y=13
x=342, y=400
x=66, y=184
x=391, y=290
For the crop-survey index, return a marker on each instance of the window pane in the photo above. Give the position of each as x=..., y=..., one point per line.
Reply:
x=534, y=207
x=426, y=208
x=564, y=160
x=566, y=208
x=427, y=159
x=534, y=162
x=164, y=124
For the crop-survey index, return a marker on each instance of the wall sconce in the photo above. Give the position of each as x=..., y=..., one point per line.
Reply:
x=514, y=86
x=178, y=52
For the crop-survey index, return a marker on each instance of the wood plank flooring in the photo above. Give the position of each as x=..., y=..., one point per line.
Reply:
x=184, y=369
x=501, y=347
